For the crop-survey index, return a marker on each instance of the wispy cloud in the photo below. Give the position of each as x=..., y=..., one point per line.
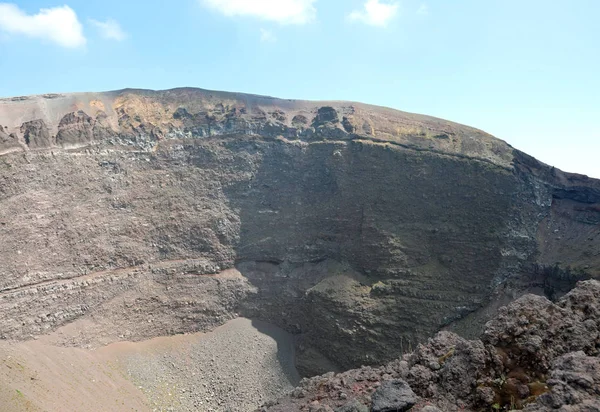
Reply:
x=267, y=36
x=280, y=11
x=376, y=13
x=59, y=25
x=423, y=9
x=110, y=29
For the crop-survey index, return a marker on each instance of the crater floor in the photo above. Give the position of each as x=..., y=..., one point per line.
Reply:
x=236, y=367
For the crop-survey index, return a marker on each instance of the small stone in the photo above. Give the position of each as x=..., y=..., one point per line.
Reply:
x=298, y=393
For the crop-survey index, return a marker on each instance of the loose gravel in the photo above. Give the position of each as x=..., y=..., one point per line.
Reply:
x=237, y=367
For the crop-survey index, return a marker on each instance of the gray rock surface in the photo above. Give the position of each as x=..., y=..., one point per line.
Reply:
x=574, y=385
x=393, y=396
x=533, y=331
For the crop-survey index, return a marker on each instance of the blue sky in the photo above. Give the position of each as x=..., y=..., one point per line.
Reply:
x=526, y=71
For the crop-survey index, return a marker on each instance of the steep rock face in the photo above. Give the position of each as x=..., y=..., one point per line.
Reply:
x=75, y=128
x=426, y=255
x=78, y=128
x=362, y=229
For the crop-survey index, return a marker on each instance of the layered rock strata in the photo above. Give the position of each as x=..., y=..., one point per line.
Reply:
x=361, y=229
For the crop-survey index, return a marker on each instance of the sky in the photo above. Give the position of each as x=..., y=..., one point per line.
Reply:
x=526, y=71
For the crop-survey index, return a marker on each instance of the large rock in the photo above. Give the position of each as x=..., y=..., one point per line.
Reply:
x=574, y=385
x=533, y=331
x=393, y=396
x=36, y=134
x=75, y=128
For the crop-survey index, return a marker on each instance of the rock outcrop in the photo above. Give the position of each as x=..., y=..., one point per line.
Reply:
x=36, y=134
x=8, y=142
x=536, y=356
x=361, y=229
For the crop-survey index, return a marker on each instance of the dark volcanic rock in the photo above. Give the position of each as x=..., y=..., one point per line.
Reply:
x=393, y=396
x=533, y=331
x=36, y=134
x=181, y=113
x=574, y=385
x=326, y=115
x=300, y=120
x=75, y=128
x=455, y=374
x=349, y=125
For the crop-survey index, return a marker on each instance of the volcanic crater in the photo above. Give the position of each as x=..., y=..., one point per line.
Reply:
x=199, y=250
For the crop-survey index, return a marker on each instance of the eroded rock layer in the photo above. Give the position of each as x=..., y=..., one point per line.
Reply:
x=364, y=230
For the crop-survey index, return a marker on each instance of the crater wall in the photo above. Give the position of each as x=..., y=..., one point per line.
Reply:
x=361, y=229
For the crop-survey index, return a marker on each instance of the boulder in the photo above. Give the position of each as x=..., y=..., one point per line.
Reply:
x=393, y=396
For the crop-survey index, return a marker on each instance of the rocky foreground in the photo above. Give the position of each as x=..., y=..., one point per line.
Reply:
x=535, y=355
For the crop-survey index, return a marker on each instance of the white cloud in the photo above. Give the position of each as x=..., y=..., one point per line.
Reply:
x=267, y=36
x=58, y=24
x=110, y=29
x=423, y=10
x=281, y=11
x=376, y=13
